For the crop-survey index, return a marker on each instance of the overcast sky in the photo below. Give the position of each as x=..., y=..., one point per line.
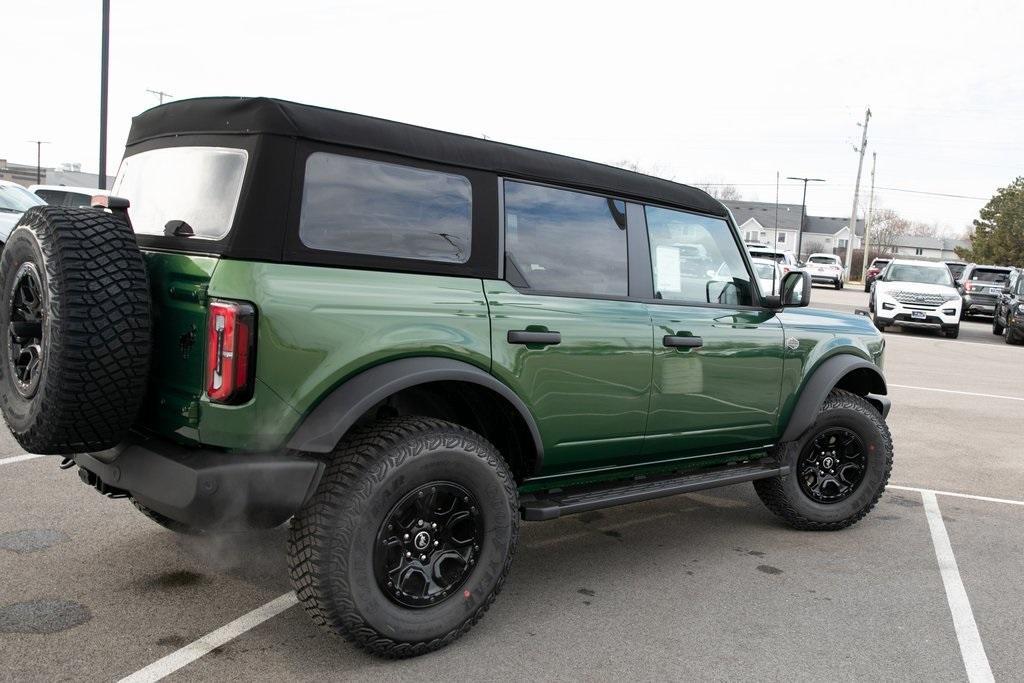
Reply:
x=723, y=91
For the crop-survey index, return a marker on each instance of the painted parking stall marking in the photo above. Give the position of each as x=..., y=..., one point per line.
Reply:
x=971, y=649
x=19, y=458
x=962, y=393
x=211, y=641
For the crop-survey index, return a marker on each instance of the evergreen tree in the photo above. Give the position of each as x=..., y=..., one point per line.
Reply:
x=998, y=235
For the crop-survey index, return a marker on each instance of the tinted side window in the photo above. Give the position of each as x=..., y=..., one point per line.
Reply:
x=563, y=241
x=362, y=206
x=696, y=259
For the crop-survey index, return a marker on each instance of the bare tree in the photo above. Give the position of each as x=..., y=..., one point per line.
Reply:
x=887, y=227
x=719, y=190
x=811, y=246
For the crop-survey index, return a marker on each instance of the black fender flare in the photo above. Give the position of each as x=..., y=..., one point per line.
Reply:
x=323, y=428
x=822, y=381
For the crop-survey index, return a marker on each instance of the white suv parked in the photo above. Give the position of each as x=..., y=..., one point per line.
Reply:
x=785, y=259
x=916, y=294
x=826, y=268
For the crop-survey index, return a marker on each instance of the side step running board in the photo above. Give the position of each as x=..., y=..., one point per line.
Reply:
x=559, y=502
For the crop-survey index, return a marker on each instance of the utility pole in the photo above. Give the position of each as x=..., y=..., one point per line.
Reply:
x=867, y=220
x=39, y=157
x=803, y=211
x=856, y=191
x=161, y=94
x=104, y=68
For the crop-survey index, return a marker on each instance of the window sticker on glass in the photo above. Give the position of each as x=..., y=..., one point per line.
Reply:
x=669, y=277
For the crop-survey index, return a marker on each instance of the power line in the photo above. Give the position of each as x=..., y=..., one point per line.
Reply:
x=834, y=186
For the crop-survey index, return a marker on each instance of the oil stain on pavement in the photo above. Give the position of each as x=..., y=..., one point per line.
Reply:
x=768, y=569
x=31, y=540
x=42, y=616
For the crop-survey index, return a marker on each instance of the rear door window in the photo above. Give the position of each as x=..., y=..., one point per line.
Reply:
x=566, y=242
x=364, y=206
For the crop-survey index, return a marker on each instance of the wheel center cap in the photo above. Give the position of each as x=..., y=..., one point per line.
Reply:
x=421, y=540
x=828, y=462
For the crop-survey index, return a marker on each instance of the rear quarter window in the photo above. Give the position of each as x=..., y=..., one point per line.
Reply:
x=364, y=206
x=990, y=275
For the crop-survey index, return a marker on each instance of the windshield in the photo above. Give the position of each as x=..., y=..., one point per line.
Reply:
x=957, y=269
x=927, y=275
x=770, y=255
x=879, y=263
x=764, y=271
x=828, y=260
x=197, y=185
x=990, y=275
x=16, y=199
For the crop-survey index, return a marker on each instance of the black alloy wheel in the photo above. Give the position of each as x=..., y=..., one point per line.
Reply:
x=25, y=331
x=428, y=544
x=832, y=465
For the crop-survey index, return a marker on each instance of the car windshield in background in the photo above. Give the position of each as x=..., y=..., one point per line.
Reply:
x=197, y=185
x=771, y=256
x=823, y=259
x=879, y=263
x=956, y=270
x=764, y=271
x=990, y=275
x=927, y=275
x=15, y=199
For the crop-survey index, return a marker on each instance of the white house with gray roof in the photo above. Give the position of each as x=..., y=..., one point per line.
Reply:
x=759, y=222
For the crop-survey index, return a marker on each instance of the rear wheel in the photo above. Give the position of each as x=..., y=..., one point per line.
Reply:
x=838, y=468
x=408, y=538
x=839, y=284
x=74, y=309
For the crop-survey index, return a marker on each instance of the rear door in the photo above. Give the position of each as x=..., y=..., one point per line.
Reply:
x=564, y=334
x=718, y=358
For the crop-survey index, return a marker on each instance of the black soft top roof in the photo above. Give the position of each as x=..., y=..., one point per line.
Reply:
x=260, y=115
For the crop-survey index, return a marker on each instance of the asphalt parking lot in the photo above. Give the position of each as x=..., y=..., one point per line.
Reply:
x=705, y=586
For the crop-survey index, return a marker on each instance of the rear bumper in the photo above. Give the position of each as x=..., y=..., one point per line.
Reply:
x=979, y=303
x=207, y=489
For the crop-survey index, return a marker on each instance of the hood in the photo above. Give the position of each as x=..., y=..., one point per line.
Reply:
x=7, y=223
x=916, y=288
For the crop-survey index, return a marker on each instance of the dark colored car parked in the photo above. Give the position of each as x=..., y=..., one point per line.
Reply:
x=873, y=270
x=981, y=287
x=403, y=342
x=956, y=269
x=1008, y=319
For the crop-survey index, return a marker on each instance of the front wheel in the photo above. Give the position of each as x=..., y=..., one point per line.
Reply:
x=952, y=332
x=997, y=329
x=408, y=538
x=838, y=468
x=880, y=324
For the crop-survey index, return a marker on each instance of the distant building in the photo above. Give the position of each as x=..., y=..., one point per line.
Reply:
x=67, y=174
x=757, y=223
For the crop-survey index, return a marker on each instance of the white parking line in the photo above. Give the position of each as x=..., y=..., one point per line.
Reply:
x=193, y=651
x=989, y=499
x=953, y=391
x=971, y=649
x=945, y=342
x=19, y=458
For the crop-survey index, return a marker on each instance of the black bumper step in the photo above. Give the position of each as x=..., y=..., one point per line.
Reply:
x=558, y=502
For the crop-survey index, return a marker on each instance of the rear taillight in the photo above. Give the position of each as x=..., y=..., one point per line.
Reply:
x=230, y=351
x=969, y=286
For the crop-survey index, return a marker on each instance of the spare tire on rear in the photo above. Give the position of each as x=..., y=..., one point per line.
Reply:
x=74, y=309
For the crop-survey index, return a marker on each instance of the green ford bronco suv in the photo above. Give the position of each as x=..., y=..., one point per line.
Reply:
x=402, y=342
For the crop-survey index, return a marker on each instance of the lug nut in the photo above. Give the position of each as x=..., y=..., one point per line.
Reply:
x=408, y=554
x=406, y=537
x=423, y=558
x=420, y=523
x=436, y=544
x=434, y=525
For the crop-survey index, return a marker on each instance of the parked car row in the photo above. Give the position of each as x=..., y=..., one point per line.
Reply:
x=823, y=268
x=938, y=295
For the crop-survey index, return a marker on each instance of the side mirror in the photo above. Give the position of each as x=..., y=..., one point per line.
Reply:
x=796, y=289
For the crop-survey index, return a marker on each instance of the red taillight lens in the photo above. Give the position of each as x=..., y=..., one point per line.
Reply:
x=969, y=286
x=230, y=351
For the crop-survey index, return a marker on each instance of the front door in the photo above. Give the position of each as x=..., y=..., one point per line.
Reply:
x=564, y=335
x=718, y=358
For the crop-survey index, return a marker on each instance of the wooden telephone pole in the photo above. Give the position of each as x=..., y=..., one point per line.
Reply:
x=856, y=191
x=867, y=220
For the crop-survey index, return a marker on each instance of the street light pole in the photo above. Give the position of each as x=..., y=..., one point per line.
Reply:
x=104, y=68
x=803, y=211
x=39, y=158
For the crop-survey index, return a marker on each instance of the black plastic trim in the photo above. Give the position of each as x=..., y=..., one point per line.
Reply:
x=554, y=504
x=817, y=388
x=205, y=488
x=323, y=428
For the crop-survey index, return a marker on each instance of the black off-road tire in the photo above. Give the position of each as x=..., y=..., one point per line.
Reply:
x=94, y=330
x=784, y=495
x=332, y=539
x=167, y=522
